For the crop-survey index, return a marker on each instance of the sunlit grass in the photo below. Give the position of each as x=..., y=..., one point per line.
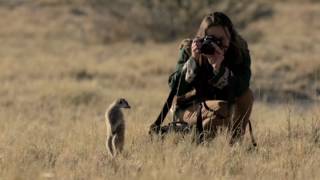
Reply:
x=55, y=90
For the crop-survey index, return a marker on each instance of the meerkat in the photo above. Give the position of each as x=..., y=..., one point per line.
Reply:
x=115, y=126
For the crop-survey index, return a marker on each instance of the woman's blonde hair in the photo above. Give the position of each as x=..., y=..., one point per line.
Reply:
x=237, y=44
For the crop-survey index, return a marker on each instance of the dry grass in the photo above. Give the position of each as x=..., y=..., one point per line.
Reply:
x=55, y=88
x=288, y=51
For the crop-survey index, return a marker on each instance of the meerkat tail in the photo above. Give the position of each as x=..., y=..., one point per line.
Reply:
x=110, y=147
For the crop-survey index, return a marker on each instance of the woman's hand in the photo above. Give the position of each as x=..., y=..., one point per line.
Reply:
x=216, y=59
x=195, y=49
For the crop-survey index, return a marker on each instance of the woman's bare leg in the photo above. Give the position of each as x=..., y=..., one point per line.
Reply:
x=242, y=112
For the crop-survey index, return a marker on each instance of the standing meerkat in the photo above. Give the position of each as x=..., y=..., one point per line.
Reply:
x=115, y=126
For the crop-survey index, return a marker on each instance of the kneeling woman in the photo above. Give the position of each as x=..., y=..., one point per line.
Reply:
x=222, y=74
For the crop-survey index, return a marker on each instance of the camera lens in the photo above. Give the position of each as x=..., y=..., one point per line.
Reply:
x=207, y=46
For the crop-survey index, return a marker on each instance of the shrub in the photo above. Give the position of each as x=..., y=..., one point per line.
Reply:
x=166, y=20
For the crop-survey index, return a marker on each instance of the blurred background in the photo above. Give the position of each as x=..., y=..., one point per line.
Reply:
x=283, y=37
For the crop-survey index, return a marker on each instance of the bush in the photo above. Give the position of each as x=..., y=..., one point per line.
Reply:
x=166, y=20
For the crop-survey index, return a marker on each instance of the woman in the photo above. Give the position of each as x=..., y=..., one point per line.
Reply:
x=223, y=75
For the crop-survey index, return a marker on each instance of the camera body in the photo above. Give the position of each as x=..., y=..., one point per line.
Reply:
x=207, y=46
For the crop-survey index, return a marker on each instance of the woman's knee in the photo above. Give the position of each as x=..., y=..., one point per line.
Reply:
x=243, y=108
x=246, y=99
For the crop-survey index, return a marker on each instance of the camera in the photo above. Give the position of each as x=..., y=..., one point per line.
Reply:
x=207, y=46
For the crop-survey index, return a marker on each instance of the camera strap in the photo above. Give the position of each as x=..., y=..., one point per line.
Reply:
x=167, y=105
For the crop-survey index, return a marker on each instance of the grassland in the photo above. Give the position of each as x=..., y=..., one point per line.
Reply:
x=57, y=81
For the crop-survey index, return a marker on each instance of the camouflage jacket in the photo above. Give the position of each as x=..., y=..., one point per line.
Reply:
x=231, y=81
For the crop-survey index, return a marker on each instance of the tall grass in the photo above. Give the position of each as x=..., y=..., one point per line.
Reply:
x=55, y=88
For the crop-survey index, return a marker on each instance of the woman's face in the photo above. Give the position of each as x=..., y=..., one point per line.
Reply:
x=221, y=33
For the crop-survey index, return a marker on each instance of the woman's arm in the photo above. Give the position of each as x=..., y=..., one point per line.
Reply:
x=177, y=79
